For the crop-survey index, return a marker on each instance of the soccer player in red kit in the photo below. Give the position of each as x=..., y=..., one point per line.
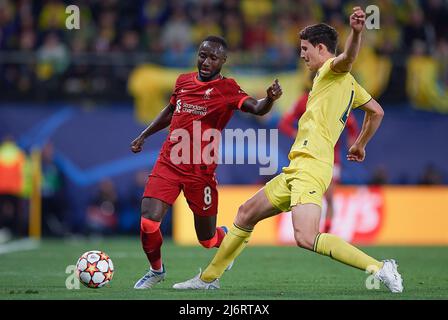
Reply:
x=288, y=125
x=207, y=98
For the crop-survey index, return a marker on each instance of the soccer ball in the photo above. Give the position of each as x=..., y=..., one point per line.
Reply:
x=94, y=269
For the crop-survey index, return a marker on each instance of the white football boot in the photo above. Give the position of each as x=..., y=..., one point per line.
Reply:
x=150, y=279
x=197, y=283
x=389, y=275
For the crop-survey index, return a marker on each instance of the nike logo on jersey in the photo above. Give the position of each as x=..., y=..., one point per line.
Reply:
x=206, y=208
x=183, y=90
x=312, y=192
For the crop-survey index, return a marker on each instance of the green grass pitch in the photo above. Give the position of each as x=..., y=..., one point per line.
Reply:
x=260, y=273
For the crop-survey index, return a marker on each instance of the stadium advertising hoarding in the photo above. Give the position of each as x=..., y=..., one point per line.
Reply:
x=363, y=215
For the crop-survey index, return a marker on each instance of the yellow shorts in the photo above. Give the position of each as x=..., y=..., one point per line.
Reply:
x=305, y=180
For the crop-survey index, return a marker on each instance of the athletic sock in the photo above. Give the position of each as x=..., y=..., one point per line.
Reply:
x=220, y=234
x=214, y=241
x=152, y=240
x=230, y=248
x=340, y=250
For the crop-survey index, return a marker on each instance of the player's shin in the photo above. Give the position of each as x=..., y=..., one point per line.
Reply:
x=230, y=248
x=152, y=240
x=340, y=250
x=215, y=241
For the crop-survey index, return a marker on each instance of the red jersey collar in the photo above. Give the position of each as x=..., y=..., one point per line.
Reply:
x=195, y=77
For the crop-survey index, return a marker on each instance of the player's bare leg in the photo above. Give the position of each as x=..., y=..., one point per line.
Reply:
x=152, y=210
x=249, y=214
x=209, y=236
x=306, y=218
x=254, y=210
x=330, y=208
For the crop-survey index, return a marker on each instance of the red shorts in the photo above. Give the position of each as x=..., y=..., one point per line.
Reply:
x=165, y=183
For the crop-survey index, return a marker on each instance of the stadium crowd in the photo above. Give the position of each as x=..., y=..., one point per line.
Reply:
x=39, y=54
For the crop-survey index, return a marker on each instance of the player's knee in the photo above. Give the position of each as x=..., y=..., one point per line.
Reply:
x=304, y=240
x=148, y=213
x=149, y=225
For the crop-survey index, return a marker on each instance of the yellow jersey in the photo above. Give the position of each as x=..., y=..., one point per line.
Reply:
x=332, y=97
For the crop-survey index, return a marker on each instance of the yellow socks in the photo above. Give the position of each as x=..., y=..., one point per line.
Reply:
x=338, y=249
x=326, y=244
x=232, y=245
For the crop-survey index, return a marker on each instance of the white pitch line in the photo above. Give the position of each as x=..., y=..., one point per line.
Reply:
x=19, y=245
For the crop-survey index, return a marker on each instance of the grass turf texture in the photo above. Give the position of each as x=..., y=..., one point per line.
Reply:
x=267, y=273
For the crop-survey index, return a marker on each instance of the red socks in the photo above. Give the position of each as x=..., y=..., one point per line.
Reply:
x=215, y=241
x=152, y=240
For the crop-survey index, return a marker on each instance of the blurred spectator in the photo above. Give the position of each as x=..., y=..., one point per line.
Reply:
x=130, y=41
x=7, y=25
x=177, y=32
x=437, y=11
x=232, y=25
x=441, y=57
x=103, y=210
x=418, y=30
x=130, y=215
x=281, y=51
x=206, y=25
x=389, y=41
x=168, y=31
x=53, y=195
x=26, y=76
x=431, y=176
x=52, y=57
x=256, y=10
x=177, y=39
x=153, y=12
x=12, y=185
x=336, y=20
x=256, y=35
x=331, y=7
x=106, y=33
x=151, y=39
x=52, y=15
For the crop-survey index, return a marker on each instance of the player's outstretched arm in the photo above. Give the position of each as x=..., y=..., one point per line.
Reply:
x=372, y=119
x=162, y=121
x=344, y=61
x=263, y=106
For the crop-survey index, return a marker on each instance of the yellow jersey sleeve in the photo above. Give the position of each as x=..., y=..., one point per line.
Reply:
x=361, y=95
x=327, y=72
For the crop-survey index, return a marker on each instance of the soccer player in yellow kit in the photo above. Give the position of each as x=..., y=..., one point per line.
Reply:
x=302, y=184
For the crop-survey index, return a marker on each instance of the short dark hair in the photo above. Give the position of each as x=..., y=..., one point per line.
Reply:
x=217, y=39
x=321, y=33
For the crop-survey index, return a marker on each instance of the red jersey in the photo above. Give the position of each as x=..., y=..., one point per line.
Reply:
x=199, y=106
x=289, y=120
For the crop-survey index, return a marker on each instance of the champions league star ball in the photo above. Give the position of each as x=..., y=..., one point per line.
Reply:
x=94, y=269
